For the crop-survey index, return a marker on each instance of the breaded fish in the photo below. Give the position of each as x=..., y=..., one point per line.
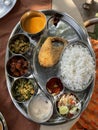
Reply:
x=50, y=51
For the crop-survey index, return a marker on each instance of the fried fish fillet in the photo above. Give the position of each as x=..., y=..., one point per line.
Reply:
x=50, y=51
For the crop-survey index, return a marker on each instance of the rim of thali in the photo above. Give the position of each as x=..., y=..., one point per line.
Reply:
x=84, y=36
x=67, y=18
x=82, y=32
x=7, y=9
x=3, y=121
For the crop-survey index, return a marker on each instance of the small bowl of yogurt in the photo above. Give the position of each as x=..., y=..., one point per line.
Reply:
x=40, y=108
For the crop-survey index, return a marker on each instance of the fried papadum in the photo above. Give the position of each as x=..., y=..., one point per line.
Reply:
x=51, y=50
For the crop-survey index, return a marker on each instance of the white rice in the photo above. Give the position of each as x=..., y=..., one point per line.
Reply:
x=76, y=67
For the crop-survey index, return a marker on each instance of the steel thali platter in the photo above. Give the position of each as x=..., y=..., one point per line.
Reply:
x=68, y=29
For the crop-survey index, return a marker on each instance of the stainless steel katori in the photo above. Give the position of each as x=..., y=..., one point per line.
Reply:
x=3, y=123
x=60, y=25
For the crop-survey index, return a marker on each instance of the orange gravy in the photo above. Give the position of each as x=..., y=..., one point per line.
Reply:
x=34, y=24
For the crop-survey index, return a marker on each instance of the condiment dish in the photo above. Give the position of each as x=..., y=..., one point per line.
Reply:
x=19, y=44
x=54, y=86
x=23, y=89
x=68, y=105
x=17, y=66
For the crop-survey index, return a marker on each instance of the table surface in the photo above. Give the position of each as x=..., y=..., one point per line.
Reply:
x=15, y=120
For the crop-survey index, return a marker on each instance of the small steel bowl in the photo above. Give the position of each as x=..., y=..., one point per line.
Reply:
x=17, y=66
x=3, y=124
x=19, y=44
x=33, y=22
x=23, y=89
x=54, y=86
x=63, y=76
x=40, y=108
x=66, y=107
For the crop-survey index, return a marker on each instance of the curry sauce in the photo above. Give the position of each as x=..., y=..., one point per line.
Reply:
x=34, y=24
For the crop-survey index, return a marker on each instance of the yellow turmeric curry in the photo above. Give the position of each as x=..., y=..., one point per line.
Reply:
x=33, y=22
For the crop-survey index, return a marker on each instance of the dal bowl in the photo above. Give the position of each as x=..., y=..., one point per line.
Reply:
x=33, y=22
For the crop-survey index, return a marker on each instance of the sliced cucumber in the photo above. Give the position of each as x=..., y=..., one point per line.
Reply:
x=63, y=110
x=73, y=110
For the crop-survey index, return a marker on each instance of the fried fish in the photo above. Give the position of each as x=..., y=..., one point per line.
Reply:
x=50, y=51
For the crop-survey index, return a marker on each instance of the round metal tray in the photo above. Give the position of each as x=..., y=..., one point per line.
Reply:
x=71, y=31
x=5, y=9
x=2, y=119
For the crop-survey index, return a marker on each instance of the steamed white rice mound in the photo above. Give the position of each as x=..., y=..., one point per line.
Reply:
x=76, y=67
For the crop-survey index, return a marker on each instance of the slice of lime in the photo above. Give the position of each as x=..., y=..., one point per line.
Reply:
x=63, y=110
